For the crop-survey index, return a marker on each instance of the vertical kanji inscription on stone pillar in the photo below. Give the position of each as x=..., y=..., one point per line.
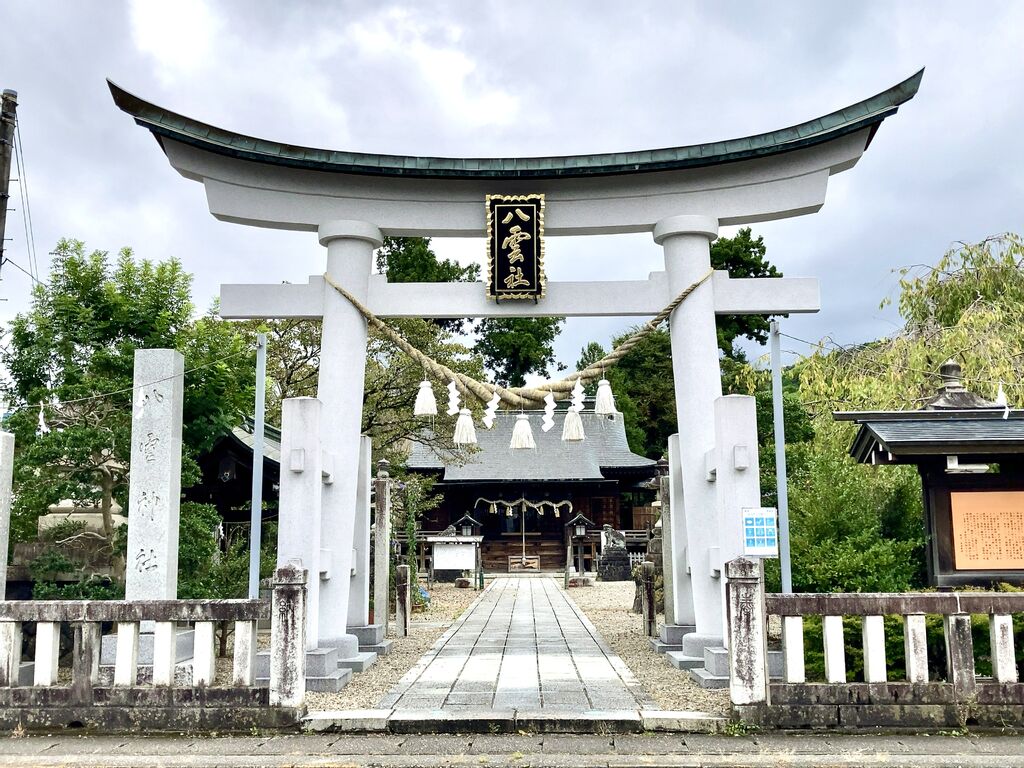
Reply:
x=155, y=481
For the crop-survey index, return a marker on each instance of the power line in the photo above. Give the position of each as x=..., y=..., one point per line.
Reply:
x=26, y=212
x=16, y=265
x=132, y=388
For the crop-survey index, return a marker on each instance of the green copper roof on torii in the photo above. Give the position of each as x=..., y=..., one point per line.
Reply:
x=868, y=113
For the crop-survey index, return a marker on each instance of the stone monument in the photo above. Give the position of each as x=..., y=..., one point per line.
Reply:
x=154, y=494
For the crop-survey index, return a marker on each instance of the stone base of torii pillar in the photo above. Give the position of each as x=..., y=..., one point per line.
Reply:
x=305, y=470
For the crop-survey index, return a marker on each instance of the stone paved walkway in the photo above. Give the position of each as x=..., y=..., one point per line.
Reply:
x=523, y=645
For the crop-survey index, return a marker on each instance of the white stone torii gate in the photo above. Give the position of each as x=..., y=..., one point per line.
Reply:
x=681, y=195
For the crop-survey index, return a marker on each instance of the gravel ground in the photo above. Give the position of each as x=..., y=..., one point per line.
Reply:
x=608, y=605
x=367, y=688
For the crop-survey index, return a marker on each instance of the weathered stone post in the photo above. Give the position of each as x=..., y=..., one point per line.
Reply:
x=668, y=565
x=85, y=670
x=748, y=649
x=650, y=610
x=402, y=605
x=6, y=477
x=960, y=656
x=155, y=484
x=382, y=547
x=288, y=637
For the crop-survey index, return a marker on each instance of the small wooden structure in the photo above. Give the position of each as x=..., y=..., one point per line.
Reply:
x=970, y=454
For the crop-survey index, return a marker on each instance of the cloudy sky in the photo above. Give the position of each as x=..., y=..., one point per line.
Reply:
x=524, y=78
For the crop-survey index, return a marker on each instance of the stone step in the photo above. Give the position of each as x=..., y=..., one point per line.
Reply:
x=383, y=648
x=331, y=683
x=371, y=634
x=672, y=634
x=320, y=662
x=660, y=646
x=359, y=663
x=680, y=660
x=705, y=679
x=716, y=662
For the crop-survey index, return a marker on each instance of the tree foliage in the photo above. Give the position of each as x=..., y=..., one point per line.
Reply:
x=643, y=379
x=514, y=347
x=860, y=528
x=74, y=351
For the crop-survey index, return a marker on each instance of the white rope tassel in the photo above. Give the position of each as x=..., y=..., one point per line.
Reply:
x=426, y=403
x=604, y=404
x=42, y=429
x=522, y=434
x=465, y=432
x=572, y=429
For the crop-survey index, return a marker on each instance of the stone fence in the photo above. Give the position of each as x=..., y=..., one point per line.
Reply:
x=169, y=694
x=951, y=693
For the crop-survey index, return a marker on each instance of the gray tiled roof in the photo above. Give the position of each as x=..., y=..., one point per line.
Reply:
x=947, y=436
x=552, y=459
x=271, y=439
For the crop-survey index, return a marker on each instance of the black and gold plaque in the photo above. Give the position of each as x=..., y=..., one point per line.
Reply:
x=515, y=246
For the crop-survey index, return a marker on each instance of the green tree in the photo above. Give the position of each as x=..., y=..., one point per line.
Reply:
x=74, y=351
x=643, y=379
x=514, y=347
x=392, y=379
x=858, y=527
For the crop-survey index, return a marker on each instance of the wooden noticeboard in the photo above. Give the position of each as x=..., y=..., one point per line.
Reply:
x=988, y=530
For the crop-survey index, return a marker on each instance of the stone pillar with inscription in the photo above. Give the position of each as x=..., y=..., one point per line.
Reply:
x=154, y=490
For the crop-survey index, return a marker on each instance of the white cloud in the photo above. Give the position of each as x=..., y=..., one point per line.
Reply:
x=181, y=37
x=429, y=51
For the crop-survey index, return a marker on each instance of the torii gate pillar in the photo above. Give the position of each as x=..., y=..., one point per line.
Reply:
x=350, y=246
x=686, y=241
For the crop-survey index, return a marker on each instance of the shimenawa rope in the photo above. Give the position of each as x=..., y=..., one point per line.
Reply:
x=516, y=397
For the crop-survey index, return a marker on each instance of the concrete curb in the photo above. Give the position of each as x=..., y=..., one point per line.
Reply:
x=510, y=721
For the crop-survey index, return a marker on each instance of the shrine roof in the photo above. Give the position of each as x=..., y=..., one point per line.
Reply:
x=604, y=454
x=958, y=434
x=869, y=113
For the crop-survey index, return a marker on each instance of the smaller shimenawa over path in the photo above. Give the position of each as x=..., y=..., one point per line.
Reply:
x=523, y=645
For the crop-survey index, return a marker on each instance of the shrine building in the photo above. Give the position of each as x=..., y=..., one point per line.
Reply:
x=523, y=499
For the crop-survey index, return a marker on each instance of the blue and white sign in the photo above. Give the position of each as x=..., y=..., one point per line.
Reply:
x=760, y=532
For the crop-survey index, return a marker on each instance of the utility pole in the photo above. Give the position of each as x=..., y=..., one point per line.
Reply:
x=8, y=121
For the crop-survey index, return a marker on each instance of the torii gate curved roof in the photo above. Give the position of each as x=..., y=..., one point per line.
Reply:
x=768, y=176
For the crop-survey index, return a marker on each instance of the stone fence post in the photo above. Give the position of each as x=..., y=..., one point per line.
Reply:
x=402, y=605
x=748, y=637
x=288, y=637
x=382, y=546
x=650, y=610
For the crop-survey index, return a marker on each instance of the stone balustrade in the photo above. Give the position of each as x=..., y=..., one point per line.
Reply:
x=912, y=694
x=38, y=692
